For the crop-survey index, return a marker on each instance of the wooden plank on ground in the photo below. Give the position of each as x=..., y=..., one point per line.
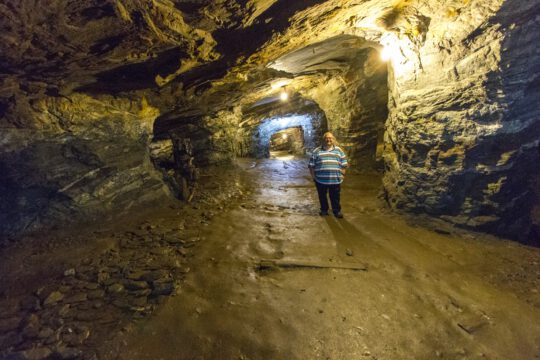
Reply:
x=270, y=264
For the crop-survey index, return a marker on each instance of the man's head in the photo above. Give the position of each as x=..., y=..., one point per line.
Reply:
x=328, y=139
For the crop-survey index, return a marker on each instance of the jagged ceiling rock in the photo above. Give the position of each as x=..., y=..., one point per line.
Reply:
x=212, y=53
x=122, y=45
x=336, y=53
x=116, y=46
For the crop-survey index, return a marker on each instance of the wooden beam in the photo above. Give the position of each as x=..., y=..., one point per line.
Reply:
x=268, y=264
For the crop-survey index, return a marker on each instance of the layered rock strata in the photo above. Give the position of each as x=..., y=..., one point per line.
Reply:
x=79, y=159
x=462, y=137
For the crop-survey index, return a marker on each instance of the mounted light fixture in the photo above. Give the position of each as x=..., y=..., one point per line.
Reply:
x=390, y=47
x=284, y=136
x=284, y=96
x=386, y=54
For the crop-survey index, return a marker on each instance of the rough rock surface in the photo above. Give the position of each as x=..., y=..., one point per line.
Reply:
x=80, y=159
x=84, y=82
x=463, y=136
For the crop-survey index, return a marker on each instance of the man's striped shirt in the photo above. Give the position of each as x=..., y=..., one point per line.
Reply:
x=327, y=165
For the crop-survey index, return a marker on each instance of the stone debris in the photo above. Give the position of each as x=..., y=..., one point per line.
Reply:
x=97, y=297
x=53, y=298
x=9, y=324
x=69, y=272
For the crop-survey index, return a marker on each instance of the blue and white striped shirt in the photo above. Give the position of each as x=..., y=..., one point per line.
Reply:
x=327, y=165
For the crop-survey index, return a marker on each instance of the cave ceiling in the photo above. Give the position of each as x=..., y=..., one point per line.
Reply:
x=188, y=58
x=335, y=53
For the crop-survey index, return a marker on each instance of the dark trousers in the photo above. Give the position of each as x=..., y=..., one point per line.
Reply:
x=333, y=191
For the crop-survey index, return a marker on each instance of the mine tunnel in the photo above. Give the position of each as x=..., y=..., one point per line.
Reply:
x=157, y=200
x=288, y=141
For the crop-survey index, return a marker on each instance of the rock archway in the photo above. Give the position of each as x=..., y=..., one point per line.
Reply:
x=311, y=126
x=346, y=78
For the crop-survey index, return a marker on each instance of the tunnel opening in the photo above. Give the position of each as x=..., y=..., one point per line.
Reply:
x=300, y=118
x=287, y=142
x=349, y=83
x=295, y=134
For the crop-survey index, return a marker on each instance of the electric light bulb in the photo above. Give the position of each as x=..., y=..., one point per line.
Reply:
x=386, y=53
x=283, y=96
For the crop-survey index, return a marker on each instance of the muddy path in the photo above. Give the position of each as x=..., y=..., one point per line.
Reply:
x=373, y=285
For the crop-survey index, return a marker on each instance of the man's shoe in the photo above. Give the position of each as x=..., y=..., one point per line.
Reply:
x=339, y=215
x=323, y=213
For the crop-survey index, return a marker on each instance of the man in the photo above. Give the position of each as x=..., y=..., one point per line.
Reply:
x=327, y=166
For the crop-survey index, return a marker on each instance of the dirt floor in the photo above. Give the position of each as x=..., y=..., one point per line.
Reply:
x=251, y=271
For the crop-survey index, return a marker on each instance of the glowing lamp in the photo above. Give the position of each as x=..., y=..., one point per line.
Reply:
x=386, y=53
x=390, y=46
x=283, y=95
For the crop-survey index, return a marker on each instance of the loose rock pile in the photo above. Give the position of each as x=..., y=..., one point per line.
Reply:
x=99, y=297
x=78, y=314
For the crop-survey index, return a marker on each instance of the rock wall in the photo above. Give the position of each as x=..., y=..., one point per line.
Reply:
x=77, y=159
x=224, y=140
x=463, y=131
x=355, y=103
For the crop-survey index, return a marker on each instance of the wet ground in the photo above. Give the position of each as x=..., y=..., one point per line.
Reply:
x=260, y=275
